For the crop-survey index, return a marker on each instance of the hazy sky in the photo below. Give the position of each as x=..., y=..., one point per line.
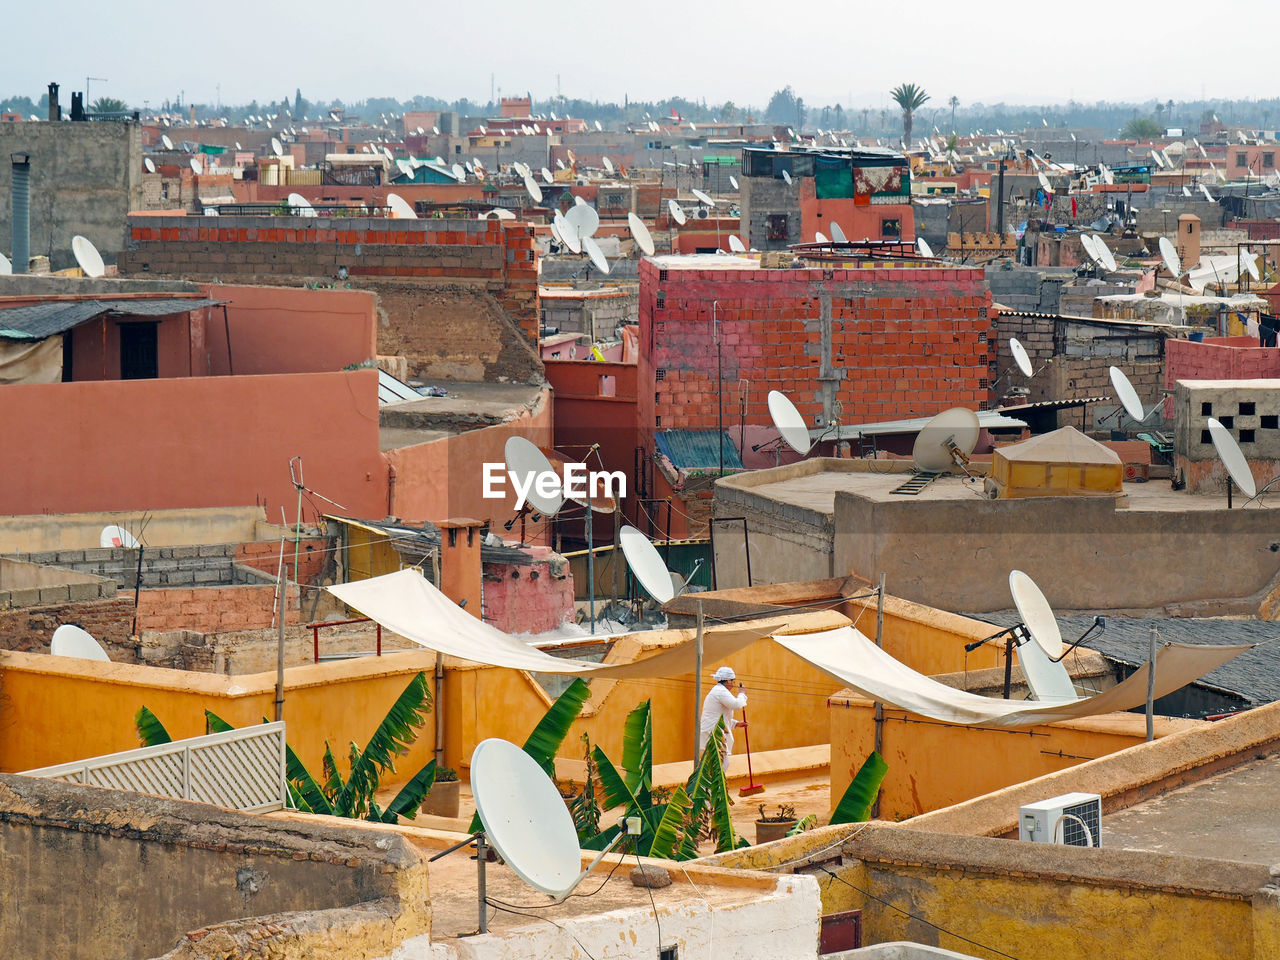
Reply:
x=846, y=52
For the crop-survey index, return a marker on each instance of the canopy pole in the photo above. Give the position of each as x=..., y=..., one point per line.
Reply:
x=879, y=715
x=1151, y=683
x=697, y=695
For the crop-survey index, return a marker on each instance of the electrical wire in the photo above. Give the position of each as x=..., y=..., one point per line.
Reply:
x=711, y=914
x=538, y=906
x=533, y=916
x=907, y=913
x=652, y=902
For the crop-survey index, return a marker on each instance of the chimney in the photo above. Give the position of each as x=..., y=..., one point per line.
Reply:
x=1188, y=241
x=460, y=569
x=55, y=111
x=20, y=203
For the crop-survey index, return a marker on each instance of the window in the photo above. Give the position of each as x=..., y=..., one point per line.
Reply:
x=1190, y=230
x=1227, y=422
x=1246, y=436
x=1268, y=159
x=139, y=353
x=1205, y=437
x=890, y=229
x=776, y=228
x=1206, y=409
x=1242, y=159
x=1270, y=422
x=1247, y=408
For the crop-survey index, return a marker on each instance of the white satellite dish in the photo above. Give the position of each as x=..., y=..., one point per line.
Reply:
x=300, y=206
x=583, y=219
x=405, y=167
x=646, y=565
x=786, y=176
x=435, y=131
x=923, y=246
x=532, y=188
x=733, y=181
x=608, y=164
x=1249, y=262
x=559, y=164
x=1232, y=457
x=501, y=213
x=1207, y=195
x=951, y=431
x=238, y=147
x=676, y=213
x=837, y=233
x=596, y=254
x=1171, y=261
x=88, y=257
x=6, y=268
x=641, y=234
x=116, y=536
x=788, y=422
x=820, y=237
x=166, y=142
x=1127, y=396
x=567, y=232
x=736, y=244
x=1020, y=357
x=149, y=165
x=1036, y=613
x=400, y=208
x=195, y=166
x=1091, y=251
x=525, y=463
x=276, y=147
x=70, y=641
x=555, y=234
x=578, y=201
x=1104, y=254
x=1158, y=159
x=537, y=129
x=459, y=172
x=598, y=127
x=546, y=176
x=702, y=197
x=524, y=818
x=1044, y=182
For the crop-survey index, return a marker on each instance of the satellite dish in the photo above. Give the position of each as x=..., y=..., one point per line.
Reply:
x=1249, y=262
x=788, y=422
x=596, y=254
x=405, y=167
x=820, y=237
x=166, y=142
x=70, y=641
x=1104, y=254
x=276, y=146
x=6, y=268
x=1158, y=159
x=1091, y=251
x=525, y=462
x=195, y=166
x=555, y=234
x=502, y=213
x=435, y=131
x=460, y=172
x=608, y=164
x=1044, y=182
x=532, y=188
x=837, y=233
x=546, y=176
x=1036, y=613
x=736, y=245
x=1127, y=396
x=1207, y=195
x=676, y=213
x=568, y=233
x=786, y=176
x=87, y=256
x=149, y=165
x=238, y=147
x=957, y=427
x=525, y=818
x=578, y=201
x=923, y=246
x=646, y=565
x=301, y=206
x=116, y=536
x=1020, y=357
x=641, y=234
x=733, y=181
x=400, y=208
x=559, y=164
x=598, y=127
x=583, y=219
x=1232, y=457
x=702, y=197
x=1171, y=261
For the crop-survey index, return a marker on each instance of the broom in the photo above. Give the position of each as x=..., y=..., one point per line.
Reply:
x=752, y=787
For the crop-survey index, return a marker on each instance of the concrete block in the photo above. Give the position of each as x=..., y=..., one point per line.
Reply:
x=182, y=553
x=29, y=597
x=83, y=591
x=60, y=594
x=70, y=556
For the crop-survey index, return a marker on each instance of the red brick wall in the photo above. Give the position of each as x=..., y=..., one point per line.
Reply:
x=212, y=609
x=910, y=341
x=264, y=555
x=30, y=629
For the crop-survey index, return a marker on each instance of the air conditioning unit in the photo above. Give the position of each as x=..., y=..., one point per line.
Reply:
x=1073, y=819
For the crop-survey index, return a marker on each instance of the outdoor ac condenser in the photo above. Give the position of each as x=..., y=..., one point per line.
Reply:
x=1074, y=819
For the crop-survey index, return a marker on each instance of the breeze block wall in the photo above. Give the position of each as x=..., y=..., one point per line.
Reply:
x=497, y=256
x=901, y=341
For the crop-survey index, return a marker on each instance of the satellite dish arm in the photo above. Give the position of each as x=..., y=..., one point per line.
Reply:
x=1099, y=624
x=623, y=833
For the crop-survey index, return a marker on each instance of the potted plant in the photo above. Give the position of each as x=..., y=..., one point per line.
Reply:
x=777, y=826
x=442, y=799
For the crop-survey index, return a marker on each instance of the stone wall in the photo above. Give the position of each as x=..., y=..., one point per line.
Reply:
x=161, y=566
x=597, y=313
x=30, y=629
x=761, y=198
x=1250, y=411
x=214, y=609
x=24, y=584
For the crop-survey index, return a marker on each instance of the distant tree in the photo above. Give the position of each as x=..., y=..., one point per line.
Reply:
x=866, y=118
x=299, y=105
x=782, y=106
x=1141, y=128
x=728, y=111
x=909, y=99
x=953, y=103
x=839, y=117
x=800, y=114
x=826, y=116
x=108, y=105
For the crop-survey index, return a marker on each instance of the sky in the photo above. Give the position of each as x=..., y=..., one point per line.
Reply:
x=843, y=52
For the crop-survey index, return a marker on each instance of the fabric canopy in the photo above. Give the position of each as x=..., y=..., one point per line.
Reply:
x=851, y=658
x=408, y=604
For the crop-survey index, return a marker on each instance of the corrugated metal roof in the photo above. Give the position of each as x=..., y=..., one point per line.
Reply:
x=698, y=449
x=40, y=320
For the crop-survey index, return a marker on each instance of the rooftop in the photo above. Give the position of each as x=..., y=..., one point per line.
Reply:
x=466, y=407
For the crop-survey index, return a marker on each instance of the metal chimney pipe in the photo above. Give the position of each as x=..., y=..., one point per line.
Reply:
x=21, y=205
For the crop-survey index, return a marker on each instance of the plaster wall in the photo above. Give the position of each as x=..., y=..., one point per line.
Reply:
x=1250, y=411
x=164, y=528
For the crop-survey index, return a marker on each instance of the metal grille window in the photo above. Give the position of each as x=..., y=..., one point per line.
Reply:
x=890, y=228
x=776, y=226
x=661, y=373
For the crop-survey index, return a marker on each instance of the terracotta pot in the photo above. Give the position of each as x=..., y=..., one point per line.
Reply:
x=767, y=830
x=442, y=799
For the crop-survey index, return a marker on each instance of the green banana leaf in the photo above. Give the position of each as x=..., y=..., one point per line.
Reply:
x=637, y=753
x=855, y=805
x=410, y=796
x=151, y=732
x=672, y=828
x=215, y=724
x=548, y=736
x=397, y=731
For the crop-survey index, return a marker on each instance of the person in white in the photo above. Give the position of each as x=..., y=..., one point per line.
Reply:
x=721, y=702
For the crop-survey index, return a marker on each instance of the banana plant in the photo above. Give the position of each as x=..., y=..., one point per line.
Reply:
x=855, y=805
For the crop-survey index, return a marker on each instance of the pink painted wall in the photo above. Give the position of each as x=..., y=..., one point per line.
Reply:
x=1217, y=358
x=529, y=598
x=202, y=442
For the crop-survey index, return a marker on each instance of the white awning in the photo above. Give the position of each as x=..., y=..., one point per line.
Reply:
x=855, y=661
x=408, y=604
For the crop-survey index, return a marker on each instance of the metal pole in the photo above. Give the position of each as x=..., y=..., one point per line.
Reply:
x=482, y=854
x=591, y=565
x=1008, y=666
x=439, y=751
x=697, y=695
x=715, y=329
x=879, y=715
x=1151, y=685
x=617, y=561
x=280, y=612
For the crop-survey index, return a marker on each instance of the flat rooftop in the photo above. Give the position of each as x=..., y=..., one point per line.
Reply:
x=468, y=406
x=1230, y=816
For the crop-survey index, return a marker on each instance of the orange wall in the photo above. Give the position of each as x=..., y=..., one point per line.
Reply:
x=203, y=442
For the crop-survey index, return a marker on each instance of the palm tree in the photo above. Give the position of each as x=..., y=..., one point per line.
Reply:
x=909, y=98
x=953, y=103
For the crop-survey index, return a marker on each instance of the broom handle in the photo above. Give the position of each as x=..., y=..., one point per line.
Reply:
x=746, y=740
